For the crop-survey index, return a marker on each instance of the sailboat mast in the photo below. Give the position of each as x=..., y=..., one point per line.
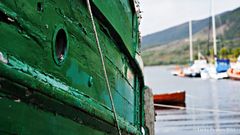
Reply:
x=190, y=41
x=214, y=31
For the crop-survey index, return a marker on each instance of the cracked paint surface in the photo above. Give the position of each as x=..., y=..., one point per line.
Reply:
x=27, y=41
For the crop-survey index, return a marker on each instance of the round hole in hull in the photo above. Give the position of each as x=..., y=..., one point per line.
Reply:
x=60, y=45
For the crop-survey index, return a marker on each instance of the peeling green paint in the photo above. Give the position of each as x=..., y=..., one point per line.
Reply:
x=29, y=77
x=77, y=76
x=27, y=42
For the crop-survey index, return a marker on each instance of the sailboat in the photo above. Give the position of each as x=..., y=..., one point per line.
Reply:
x=219, y=70
x=195, y=69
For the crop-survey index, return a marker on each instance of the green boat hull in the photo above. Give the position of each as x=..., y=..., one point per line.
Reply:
x=19, y=118
x=51, y=80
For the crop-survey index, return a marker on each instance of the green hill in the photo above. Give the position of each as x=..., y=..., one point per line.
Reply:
x=171, y=46
x=175, y=33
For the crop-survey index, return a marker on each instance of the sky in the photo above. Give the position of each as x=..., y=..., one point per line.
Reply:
x=162, y=14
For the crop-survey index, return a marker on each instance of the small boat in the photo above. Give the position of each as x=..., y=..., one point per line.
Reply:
x=170, y=98
x=177, y=72
x=218, y=71
x=195, y=69
x=204, y=74
x=234, y=72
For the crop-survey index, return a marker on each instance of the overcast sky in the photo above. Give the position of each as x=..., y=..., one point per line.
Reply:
x=161, y=14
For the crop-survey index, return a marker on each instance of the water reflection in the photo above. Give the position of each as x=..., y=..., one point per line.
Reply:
x=213, y=106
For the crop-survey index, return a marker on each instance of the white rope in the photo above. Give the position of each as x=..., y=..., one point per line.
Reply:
x=103, y=66
x=197, y=109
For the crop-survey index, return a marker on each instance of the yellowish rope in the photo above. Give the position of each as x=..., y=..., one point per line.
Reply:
x=103, y=65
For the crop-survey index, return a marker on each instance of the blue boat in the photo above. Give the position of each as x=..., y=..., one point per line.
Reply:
x=222, y=65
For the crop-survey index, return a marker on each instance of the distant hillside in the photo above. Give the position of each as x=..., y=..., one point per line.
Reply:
x=171, y=45
x=175, y=33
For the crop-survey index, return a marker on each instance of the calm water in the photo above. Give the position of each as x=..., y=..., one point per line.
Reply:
x=213, y=106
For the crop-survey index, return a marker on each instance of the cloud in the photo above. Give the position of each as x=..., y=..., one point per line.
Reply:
x=161, y=14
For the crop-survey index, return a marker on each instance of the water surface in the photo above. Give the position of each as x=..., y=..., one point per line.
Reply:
x=213, y=106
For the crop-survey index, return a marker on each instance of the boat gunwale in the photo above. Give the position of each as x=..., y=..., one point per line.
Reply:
x=29, y=77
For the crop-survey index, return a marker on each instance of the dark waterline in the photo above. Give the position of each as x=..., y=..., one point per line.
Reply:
x=214, y=105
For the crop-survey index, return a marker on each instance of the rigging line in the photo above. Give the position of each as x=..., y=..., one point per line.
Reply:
x=103, y=65
x=209, y=30
x=196, y=109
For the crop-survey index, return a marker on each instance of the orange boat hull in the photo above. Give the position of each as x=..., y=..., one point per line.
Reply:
x=233, y=74
x=170, y=98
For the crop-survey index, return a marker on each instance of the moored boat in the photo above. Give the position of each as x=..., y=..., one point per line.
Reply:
x=217, y=71
x=195, y=69
x=234, y=71
x=234, y=74
x=170, y=98
x=204, y=74
x=178, y=71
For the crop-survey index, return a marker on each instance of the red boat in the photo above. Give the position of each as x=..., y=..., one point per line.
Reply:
x=170, y=98
x=234, y=74
x=178, y=72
